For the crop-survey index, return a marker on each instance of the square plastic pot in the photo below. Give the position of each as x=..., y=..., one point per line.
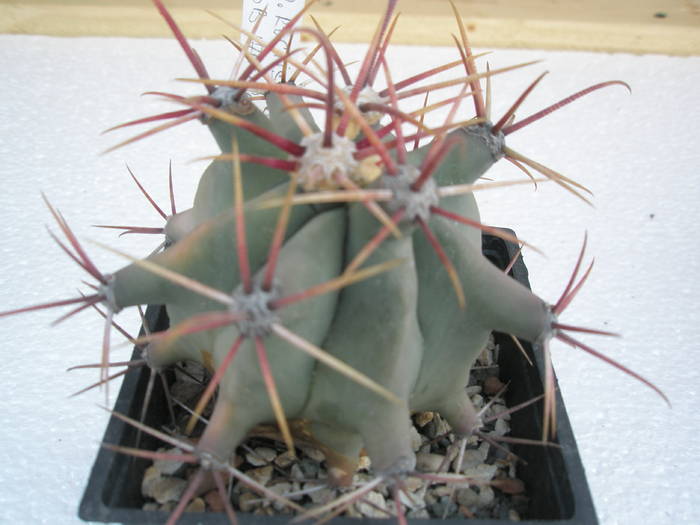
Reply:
x=554, y=477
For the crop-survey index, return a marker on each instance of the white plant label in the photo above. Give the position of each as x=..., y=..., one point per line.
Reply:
x=275, y=15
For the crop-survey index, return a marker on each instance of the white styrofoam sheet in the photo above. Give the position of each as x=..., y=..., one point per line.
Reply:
x=637, y=152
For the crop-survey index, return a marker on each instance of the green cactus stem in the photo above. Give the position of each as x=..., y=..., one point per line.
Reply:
x=330, y=276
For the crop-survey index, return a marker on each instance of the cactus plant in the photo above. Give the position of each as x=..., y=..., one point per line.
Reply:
x=330, y=276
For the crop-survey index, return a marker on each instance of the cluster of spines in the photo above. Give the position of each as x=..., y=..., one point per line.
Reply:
x=393, y=155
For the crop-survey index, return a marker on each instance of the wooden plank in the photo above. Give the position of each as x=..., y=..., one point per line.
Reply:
x=636, y=26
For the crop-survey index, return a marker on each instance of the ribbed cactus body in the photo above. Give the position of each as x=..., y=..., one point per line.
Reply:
x=281, y=118
x=455, y=336
x=242, y=386
x=207, y=254
x=403, y=328
x=330, y=275
x=376, y=331
x=215, y=189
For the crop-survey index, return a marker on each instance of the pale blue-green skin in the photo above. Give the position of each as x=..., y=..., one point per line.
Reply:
x=375, y=330
x=403, y=328
x=283, y=123
x=215, y=189
x=310, y=319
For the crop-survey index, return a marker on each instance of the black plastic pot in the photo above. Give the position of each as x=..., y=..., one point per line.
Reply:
x=554, y=477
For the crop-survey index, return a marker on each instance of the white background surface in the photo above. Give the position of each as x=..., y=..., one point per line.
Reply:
x=637, y=152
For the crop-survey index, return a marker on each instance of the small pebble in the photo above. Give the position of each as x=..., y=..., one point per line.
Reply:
x=186, y=391
x=168, y=489
x=360, y=478
x=442, y=426
x=309, y=467
x=261, y=456
x=150, y=478
x=501, y=427
x=165, y=466
x=485, y=357
x=297, y=473
x=492, y=385
x=428, y=462
x=196, y=505
x=281, y=489
x=473, y=390
x=429, y=430
x=213, y=501
x=472, y=458
x=364, y=464
x=438, y=508
x=322, y=496
x=443, y=490
x=451, y=453
x=466, y=497
x=369, y=510
x=486, y=496
x=248, y=501
x=418, y=513
x=262, y=474
x=412, y=484
x=352, y=512
x=314, y=453
x=423, y=418
x=482, y=472
x=484, y=449
x=408, y=501
x=385, y=489
x=284, y=459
